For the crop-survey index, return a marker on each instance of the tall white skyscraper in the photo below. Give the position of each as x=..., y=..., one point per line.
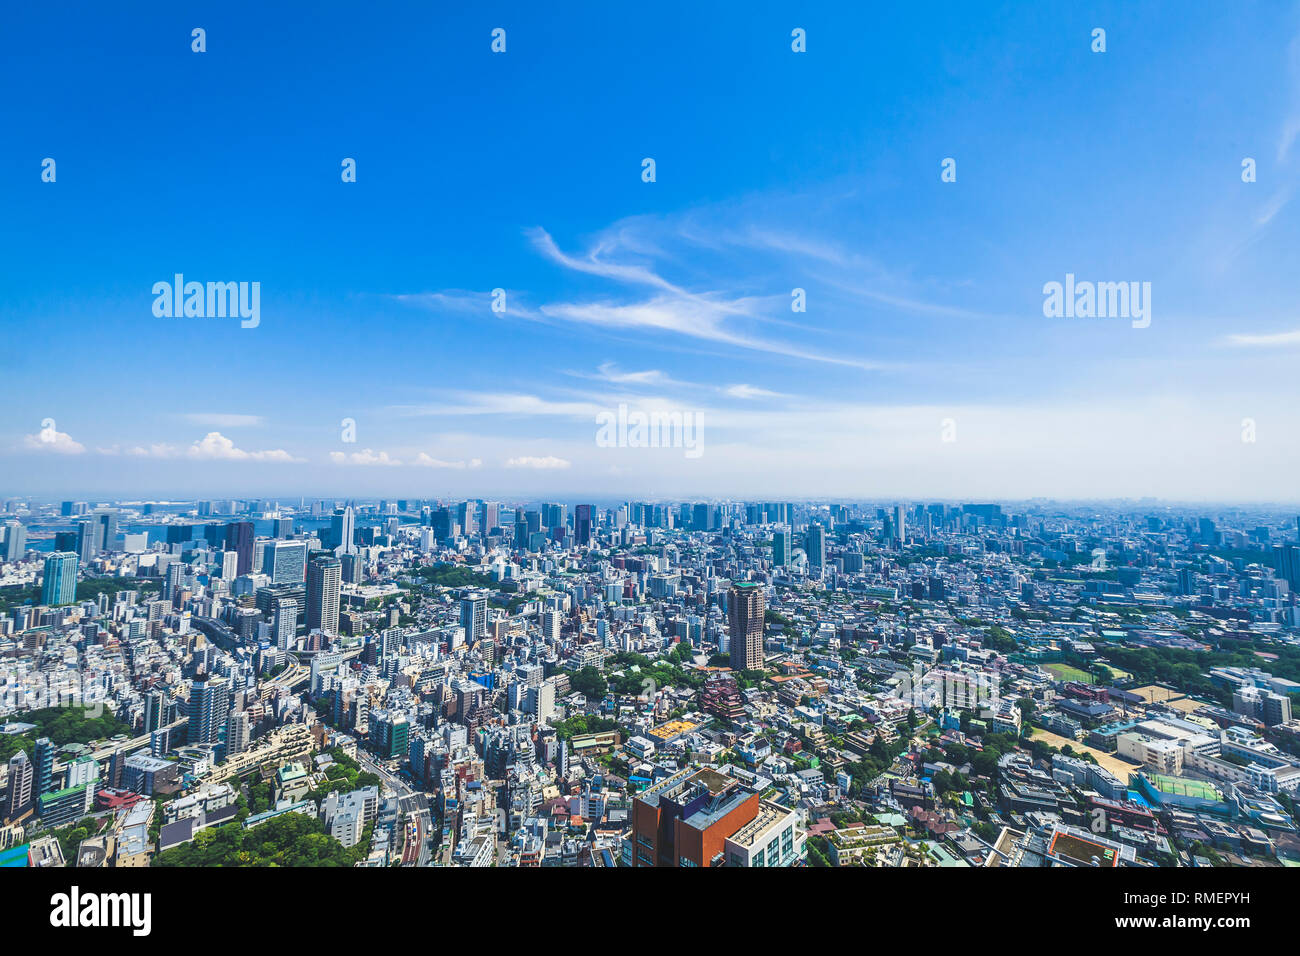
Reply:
x=473, y=616
x=343, y=531
x=286, y=624
x=15, y=540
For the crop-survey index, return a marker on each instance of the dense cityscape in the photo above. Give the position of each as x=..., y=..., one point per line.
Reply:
x=722, y=683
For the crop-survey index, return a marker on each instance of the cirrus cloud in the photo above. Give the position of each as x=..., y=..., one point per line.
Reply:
x=425, y=460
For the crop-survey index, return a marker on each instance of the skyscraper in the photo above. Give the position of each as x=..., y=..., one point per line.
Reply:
x=781, y=547
x=155, y=710
x=286, y=623
x=473, y=616
x=814, y=546
x=343, y=531
x=21, y=777
x=15, y=540
x=209, y=701
x=582, y=524
x=745, y=608
x=87, y=540
x=105, y=528
x=60, y=581
x=1286, y=561
x=237, y=733
x=324, y=579
x=175, y=579
x=239, y=539
x=285, y=562
x=43, y=764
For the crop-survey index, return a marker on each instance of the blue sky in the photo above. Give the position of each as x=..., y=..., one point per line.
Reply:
x=775, y=170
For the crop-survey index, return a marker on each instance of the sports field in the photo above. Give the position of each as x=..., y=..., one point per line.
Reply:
x=1116, y=765
x=1185, y=787
x=1068, y=672
x=1155, y=694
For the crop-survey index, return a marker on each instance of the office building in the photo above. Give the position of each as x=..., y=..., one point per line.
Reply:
x=239, y=539
x=582, y=525
x=324, y=581
x=285, y=562
x=15, y=540
x=343, y=531
x=814, y=546
x=781, y=548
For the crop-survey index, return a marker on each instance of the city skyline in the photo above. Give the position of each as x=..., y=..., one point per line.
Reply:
x=923, y=366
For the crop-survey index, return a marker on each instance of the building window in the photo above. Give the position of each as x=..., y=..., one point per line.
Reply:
x=685, y=861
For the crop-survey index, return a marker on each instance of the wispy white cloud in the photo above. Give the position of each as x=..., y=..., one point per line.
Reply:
x=222, y=419
x=425, y=460
x=543, y=463
x=468, y=302
x=1265, y=339
x=501, y=403
x=750, y=391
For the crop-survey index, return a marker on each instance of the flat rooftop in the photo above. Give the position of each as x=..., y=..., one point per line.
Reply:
x=1078, y=850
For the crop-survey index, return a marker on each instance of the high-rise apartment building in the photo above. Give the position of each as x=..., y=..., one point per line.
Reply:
x=59, y=585
x=473, y=616
x=745, y=608
x=209, y=701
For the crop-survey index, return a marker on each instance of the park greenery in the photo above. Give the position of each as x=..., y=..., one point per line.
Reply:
x=63, y=725
x=292, y=839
